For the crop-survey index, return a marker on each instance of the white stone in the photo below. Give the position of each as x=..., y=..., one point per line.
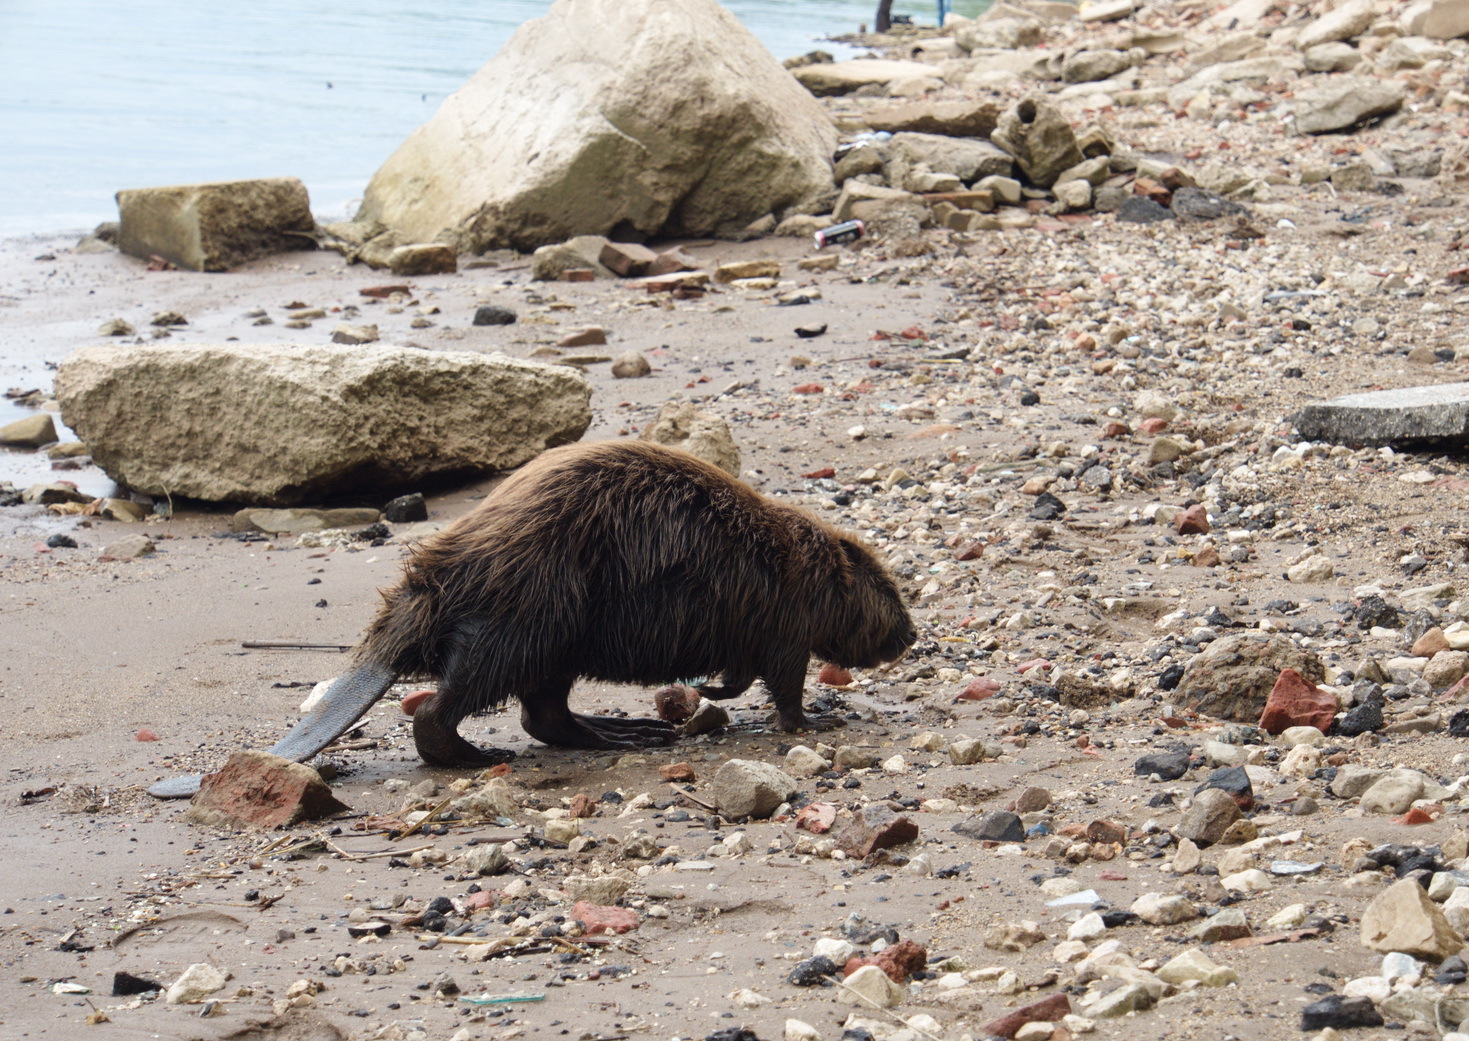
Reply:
x=1088, y=927
x=798, y=1030
x=1252, y=880
x=872, y=984
x=1163, y=909
x=805, y=762
x=198, y=982
x=839, y=951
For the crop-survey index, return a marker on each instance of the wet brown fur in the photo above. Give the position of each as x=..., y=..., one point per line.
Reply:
x=630, y=562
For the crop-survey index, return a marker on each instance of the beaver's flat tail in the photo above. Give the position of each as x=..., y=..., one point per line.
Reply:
x=345, y=702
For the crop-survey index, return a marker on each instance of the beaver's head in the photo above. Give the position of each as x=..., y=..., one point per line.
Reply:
x=865, y=619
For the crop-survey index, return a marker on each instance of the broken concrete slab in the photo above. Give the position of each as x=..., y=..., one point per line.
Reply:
x=216, y=226
x=1409, y=416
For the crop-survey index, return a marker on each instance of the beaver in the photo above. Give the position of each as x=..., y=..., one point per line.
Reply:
x=624, y=561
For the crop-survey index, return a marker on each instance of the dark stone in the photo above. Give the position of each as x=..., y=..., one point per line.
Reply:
x=733, y=1034
x=1170, y=766
x=813, y=972
x=1374, y=610
x=1451, y=971
x=61, y=542
x=996, y=826
x=125, y=984
x=1230, y=779
x=1118, y=918
x=1139, y=209
x=493, y=314
x=1198, y=204
x=1171, y=676
x=1366, y=718
x=1458, y=723
x=406, y=509
x=1047, y=507
x=1339, y=1013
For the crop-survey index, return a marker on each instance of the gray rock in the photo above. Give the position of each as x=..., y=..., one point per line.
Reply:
x=996, y=826
x=966, y=158
x=129, y=547
x=749, y=788
x=197, y=983
x=1352, y=780
x=682, y=425
x=1349, y=20
x=1333, y=57
x=273, y=425
x=1208, y=817
x=1393, y=793
x=550, y=263
x=708, y=717
x=583, y=123
x=1438, y=19
x=214, y=227
x=1233, y=676
x=630, y=365
x=1090, y=66
x=1344, y=102
x=493, y=314
x=354, y=335
x=986, y=34
x=1411, y=416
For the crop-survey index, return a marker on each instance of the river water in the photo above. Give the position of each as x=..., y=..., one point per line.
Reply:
x=97, y=96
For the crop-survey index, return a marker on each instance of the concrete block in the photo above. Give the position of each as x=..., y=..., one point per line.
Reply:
x=1411, y=416
x=214, y=227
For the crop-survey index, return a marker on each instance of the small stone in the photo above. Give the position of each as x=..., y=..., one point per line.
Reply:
x=423, y=258
x=1163, y=909
x=1187, y=858
x=1195, y=965
x=1032, y=800
x=805, y=762
x=1336, y=1012
x=30, y=432
x=871, y=985
x=1048, y=1010
x=599, y=919
x=747, y=269
x=749, y=788
x=197, y=983
x=899, y=960
x=115, y=327
x=676, y=703
x=1228, y=924
x=493, y=314
x=1393, y=793
x=1403, y=918
x=1013, y=936
x=1294, y=701
x=967, y=751
x=129, y=547
x=1430, y=643
x=1168, y=766
x=629, y=259
x=406, y=509
x=1130, y=997
x=707, y=718
x=679, y=772
x=1312, y=569
x=833, y=675
x=813, y=972
x=995, y=826
x=875, y=827
x=260, y=790
x=354, y=335
x=588, y=336
x=630, y=365
x=1209, y=816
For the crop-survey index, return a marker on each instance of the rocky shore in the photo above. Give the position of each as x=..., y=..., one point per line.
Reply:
x=1179, y=752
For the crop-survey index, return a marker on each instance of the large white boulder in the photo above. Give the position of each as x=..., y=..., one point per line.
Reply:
x=276, y=425
x=633, y=116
